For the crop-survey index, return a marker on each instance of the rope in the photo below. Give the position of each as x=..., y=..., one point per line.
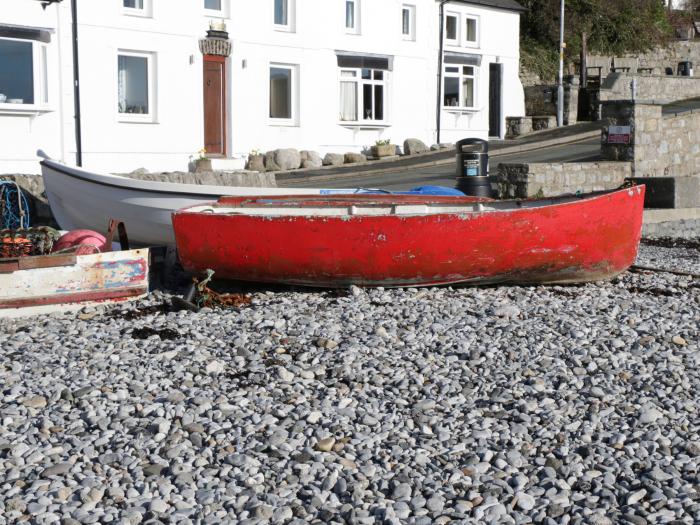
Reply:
x=14, y=208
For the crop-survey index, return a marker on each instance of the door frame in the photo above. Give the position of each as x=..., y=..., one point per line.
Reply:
x=218, y=59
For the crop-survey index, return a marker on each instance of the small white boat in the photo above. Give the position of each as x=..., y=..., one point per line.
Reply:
x=81, y=199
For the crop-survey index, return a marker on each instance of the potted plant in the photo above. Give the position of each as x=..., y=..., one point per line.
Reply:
x=202, y=163
x=383, y=148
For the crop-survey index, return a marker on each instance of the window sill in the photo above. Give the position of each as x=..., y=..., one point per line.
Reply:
x=283, y=123
x=149, y=120
x=451, y=109
x=215, y=14
x=23, y=109
x=137, y=14
x=284, y=29
x=364, y=125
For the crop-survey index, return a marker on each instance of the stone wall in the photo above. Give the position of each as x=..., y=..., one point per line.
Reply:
x=662, y=58
x=550, y=179
x=618, y=86
x=541, y=100
x=659, y=146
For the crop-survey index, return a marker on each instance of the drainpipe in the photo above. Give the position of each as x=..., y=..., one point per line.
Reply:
x=76, y=86
x=438, y=110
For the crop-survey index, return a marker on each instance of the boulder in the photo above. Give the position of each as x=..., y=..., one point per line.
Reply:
x=255, y=163
x=414, y=146
x=311, y=159
x=354, y=158
x=270, y=164
x=333, y=159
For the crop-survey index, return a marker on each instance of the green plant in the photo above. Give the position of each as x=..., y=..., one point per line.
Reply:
x=203, y=154
x=382, y=142
x=254, y=152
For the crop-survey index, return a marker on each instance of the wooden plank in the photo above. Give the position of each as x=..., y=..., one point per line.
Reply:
x=46, y=261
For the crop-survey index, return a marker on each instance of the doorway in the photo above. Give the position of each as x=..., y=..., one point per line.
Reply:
x=495, y=96
x=215, y=124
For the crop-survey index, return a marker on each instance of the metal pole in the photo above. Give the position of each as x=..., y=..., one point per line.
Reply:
x=560, y=91
x=76, y=87
x=438, y=105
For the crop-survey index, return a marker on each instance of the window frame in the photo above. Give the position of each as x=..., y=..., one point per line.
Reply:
x=356, y=10
x=40, y=80
x=460, y=76
x=477, y=23
x=224, y=12
x=289, y=27
x=411, y=9
x=149, y=117
x=360, y=82
x=293, y=119
x=458, y=25
x=144, y=12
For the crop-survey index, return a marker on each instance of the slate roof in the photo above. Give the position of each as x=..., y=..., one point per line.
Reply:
x=510, y=5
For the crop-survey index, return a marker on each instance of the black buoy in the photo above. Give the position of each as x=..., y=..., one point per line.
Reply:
x=473, y=168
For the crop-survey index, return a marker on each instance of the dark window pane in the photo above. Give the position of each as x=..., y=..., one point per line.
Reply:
x=281, y=17
x=451, y=69
x=451, y=28
x=280, y=92
x=367, y=101
x=406, y=22
x=350, y=14
x=134, y=4
x=17, y=71
x=379, y=102
x=212, y=4
x=367, y=74
x=451, y=96
x=133, y=84
x=471, y=30
x=379, y=75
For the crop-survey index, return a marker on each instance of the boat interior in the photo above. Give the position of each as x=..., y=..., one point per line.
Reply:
x=371, y=205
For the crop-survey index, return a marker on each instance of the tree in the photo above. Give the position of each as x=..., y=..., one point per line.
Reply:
x=609, y=27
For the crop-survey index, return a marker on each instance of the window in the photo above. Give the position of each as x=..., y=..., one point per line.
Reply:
x=459, y=85
x=23, y=72
x=471, y=36
x=282, y=93
x=408, y=26
x=212, y=5
x=352, y=16
x=362, y=95
x=137, y=7
x=451, y=28
x=284, y=15
x=135, y=86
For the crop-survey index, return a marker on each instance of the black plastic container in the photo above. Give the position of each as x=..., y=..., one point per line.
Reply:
x=473, y=167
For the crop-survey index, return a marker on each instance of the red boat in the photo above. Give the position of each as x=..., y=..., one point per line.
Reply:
x=408, y=240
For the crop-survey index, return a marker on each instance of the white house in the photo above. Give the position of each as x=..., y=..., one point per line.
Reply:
x=155, y=84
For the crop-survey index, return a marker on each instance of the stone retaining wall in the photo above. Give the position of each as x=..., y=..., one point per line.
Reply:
x=618, y=86
x=550, y=179
x=659, y=146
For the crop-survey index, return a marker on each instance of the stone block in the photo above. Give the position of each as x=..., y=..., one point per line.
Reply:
x=334, y=159
x=414, y=147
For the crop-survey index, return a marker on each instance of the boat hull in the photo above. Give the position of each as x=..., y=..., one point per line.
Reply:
x=48, y=283
x=587, y=239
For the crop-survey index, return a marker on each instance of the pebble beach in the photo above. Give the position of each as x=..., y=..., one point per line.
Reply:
x=503, y=404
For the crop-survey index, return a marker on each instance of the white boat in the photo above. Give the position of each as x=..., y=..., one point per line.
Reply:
x=81, y=199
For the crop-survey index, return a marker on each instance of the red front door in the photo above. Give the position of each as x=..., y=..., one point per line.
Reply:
x=215, y=104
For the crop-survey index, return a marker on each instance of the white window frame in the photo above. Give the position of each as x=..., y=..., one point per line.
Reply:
x=458, y=28
x=477, y=21
x=355, y=29
x=359, y=81
x=150, y=57
x=411, y=9
x=294, y=95
x=460, y=76
x=40, y=81
x=224, y=12
x=145, y=12
x=289, y=27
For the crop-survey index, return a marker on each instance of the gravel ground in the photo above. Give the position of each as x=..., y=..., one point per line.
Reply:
x=466, y=405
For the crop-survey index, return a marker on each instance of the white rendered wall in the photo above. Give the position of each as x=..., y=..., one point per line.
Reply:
x=171, y=35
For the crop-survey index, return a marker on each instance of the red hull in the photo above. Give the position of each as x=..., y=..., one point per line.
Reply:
x=591, y=238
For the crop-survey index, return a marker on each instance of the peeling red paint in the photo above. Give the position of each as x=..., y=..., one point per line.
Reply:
x=592, y=238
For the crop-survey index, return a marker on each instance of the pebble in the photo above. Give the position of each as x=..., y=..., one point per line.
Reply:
x=525, y=404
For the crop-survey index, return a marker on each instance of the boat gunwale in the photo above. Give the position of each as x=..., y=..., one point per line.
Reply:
x=306, y=203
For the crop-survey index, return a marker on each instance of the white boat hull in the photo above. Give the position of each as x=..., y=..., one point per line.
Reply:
x=80, y=199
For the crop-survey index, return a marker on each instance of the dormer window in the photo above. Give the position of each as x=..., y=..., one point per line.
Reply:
x=283, y=15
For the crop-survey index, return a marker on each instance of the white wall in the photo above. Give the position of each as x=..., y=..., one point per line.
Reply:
x=171, y=36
